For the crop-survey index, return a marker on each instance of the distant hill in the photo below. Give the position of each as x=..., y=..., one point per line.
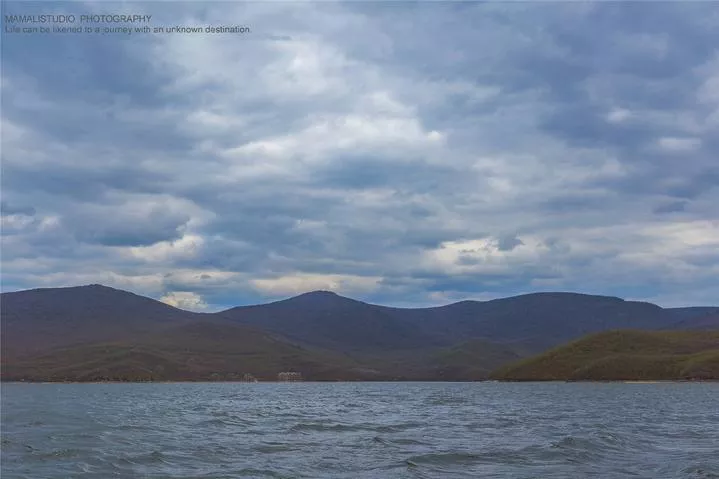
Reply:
x=38, y=320
x=624, y=355
x=467, y=361
x=325, y=319
x=474, y=359
x=206, y=350
x=545, y=319
x=706, y=321
x=542, y=320
x=685, y=314
x=81, y=332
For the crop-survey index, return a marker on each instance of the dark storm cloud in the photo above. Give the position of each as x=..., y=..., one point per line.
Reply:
x=682, y=185
x=131, y=231
x=571, y=203
x=673, y=207
x=365, y=141
x=508, y=243
x=10, y=209
x=85, y=182
x=368, y=172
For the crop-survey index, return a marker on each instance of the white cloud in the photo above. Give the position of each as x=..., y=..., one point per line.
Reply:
x=482, y=256
x=188, y=246
x=676, y=144
x=618, y=115
x=302, y=283
x=16, y=222
x=186, y=300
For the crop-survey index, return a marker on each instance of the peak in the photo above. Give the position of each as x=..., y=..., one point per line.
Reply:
x=320, y=292
x=566, y=294
x=97, y=288
x=321, y=296
x=318, y=295
x=69, y=289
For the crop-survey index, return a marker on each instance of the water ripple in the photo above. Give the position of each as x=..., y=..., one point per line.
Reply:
x=360, y=430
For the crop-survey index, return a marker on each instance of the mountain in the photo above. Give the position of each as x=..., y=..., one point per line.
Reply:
x=543, y=318
x=41, y=319
x=474, y=359
x=681, y=314
x=540, y=320
x=95, y=332
x=91, y=331
x=700, y=321
x=467, y=361
x=624, y=355
x=325, y=319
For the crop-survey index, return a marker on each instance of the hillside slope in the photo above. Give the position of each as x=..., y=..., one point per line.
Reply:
x=207, y=350
x=624, y=355
x=707, y=321
x=325, y=319
x=39, y=320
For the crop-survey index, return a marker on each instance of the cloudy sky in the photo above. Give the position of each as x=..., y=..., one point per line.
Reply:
x=401, y=153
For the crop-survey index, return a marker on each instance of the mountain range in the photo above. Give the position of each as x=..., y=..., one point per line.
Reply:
x=94, y=332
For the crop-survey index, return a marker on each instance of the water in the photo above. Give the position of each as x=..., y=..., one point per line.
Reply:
x=360, y=430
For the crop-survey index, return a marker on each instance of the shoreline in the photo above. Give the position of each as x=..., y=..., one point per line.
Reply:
x=607, y=381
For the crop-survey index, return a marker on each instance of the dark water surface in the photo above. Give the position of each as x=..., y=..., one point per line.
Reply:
x=360, y=430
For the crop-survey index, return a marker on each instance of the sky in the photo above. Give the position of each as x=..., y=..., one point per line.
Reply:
x=407, y=154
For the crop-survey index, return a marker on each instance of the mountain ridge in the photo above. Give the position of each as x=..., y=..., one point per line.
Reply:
x=463, y=340
x=687, y=310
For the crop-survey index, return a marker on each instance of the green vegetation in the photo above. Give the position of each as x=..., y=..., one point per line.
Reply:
x=216, y=351
x=219, y=352
x=473, y=360
x=194, y=352
x=623, y=355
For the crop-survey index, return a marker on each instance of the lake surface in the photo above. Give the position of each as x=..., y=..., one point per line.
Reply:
x=360, y=430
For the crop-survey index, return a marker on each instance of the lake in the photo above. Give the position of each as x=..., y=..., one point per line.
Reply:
x=360, y=430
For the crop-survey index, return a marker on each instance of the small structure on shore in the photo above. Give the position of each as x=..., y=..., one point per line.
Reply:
x=289, y=377
x=249, y=378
